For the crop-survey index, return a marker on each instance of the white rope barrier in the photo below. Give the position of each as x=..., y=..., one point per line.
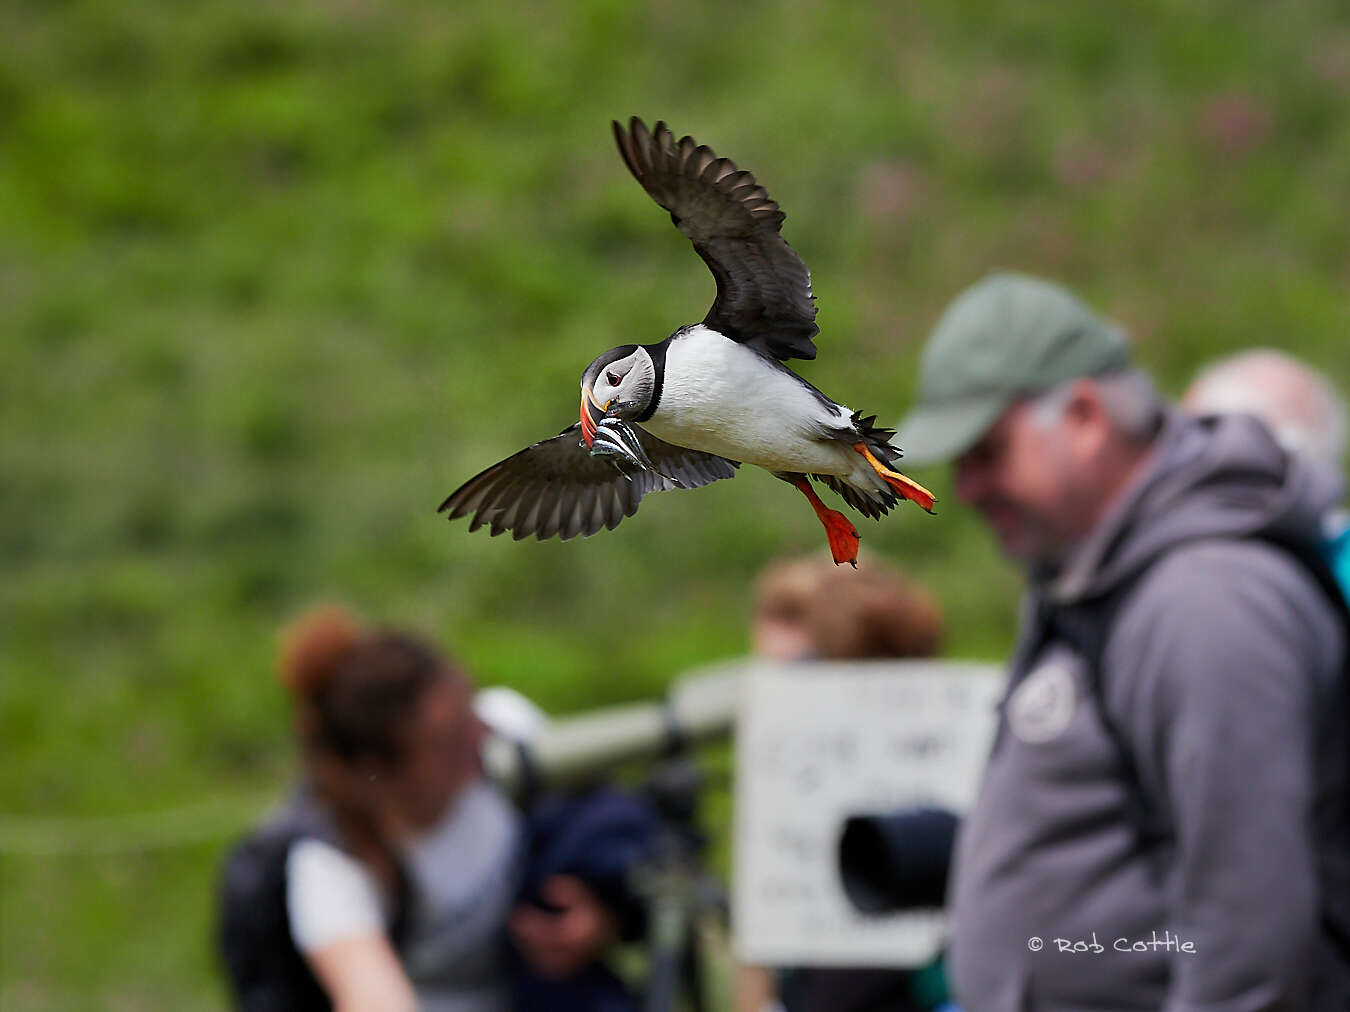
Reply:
x=36, y=836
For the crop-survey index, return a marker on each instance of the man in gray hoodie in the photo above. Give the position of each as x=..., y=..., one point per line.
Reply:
x=1163, y=820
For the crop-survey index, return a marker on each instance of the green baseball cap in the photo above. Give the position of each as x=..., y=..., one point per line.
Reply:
x=1005, y=338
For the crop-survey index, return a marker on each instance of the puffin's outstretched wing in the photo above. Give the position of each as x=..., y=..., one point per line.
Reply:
x=557, y=487
x=763, y=288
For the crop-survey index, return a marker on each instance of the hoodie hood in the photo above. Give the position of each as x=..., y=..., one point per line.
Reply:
x=1218, y=476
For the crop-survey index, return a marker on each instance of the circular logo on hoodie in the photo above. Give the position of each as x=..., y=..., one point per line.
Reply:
x=1041, y=707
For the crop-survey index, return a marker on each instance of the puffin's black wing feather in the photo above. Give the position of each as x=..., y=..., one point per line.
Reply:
x=763, y=288
x=555, y=487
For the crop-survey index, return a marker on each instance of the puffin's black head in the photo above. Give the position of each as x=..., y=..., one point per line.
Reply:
x=620, y=383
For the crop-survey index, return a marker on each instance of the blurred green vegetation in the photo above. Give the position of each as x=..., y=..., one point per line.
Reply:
x=277, y=277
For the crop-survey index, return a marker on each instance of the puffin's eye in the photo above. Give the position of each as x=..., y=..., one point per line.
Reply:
x=613, y=379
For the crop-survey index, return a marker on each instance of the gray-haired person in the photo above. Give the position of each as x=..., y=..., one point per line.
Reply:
x=1162, y=821
x=1303, y=410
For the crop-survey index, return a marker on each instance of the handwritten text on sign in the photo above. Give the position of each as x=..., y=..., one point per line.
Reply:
x=816, y=743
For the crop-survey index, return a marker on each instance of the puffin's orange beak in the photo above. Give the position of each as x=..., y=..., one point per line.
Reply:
x=591, y=413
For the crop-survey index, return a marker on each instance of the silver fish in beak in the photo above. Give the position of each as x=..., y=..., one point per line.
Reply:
x=616, y=438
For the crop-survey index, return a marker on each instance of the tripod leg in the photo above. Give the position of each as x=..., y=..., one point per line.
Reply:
x=693, y=969
x=669, y=931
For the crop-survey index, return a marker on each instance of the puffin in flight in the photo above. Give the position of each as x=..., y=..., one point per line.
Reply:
x=688, y=410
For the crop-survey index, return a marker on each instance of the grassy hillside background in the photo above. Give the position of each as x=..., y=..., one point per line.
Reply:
x=275, y=278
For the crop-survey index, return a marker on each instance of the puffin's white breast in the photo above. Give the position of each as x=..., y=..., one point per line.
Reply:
x=724, y=398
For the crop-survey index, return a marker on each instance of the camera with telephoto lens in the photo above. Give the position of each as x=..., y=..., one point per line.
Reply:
x=897, y=861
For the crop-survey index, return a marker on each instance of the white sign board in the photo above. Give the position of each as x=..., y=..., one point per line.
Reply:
x=817, y=743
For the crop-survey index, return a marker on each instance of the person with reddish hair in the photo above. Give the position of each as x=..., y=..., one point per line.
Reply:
x=394, y=878
x=810, y=609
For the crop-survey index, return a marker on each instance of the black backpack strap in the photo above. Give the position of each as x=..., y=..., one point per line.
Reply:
x=400, y=912
x=1336, y=892
x=1310, y=557
x=1086, y=627
x=265, y=970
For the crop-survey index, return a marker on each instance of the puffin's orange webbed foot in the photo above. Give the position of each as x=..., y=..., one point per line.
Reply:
x=842, y=535
x=907, y=488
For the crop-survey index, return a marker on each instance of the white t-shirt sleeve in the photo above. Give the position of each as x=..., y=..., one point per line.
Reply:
x=329, y=896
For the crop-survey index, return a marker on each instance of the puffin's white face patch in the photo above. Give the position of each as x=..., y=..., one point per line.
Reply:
x=629, y=379
x=1041, y=707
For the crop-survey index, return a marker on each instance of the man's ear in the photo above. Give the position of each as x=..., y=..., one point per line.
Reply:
x=1086, y=418
x=1085, y=403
